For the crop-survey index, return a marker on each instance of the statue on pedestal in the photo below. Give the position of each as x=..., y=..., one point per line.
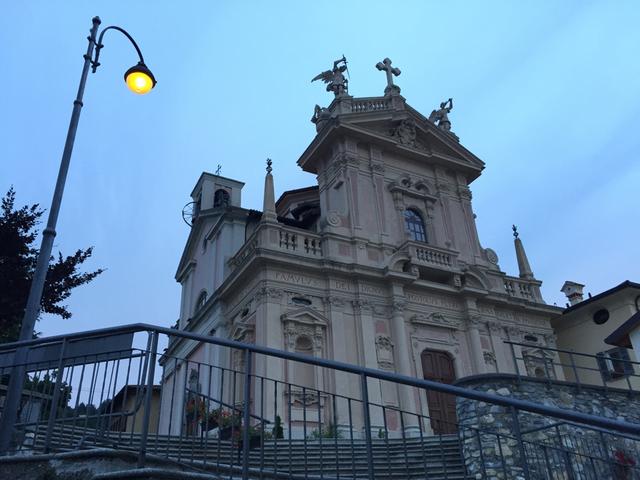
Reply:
x=441, y=116
x=335, y=79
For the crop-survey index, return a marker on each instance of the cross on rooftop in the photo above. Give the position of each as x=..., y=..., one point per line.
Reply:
x=390, y=71
x=218, y=169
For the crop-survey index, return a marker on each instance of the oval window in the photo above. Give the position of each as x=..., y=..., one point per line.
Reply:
x=531, y=338
x=601, y=316
x=301, y=301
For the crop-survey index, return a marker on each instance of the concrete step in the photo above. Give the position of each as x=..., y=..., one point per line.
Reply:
x=434, y=457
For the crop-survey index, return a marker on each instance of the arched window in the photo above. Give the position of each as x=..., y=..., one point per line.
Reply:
x=221, y=198
x=202, y=299
x=414, y=225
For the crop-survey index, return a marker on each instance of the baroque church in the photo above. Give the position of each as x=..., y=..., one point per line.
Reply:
x=379, y=264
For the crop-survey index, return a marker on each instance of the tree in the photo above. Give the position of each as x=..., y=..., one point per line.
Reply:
x=18, y=258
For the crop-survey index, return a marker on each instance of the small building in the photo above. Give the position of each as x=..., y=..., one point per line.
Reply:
x=129, y=402
x=594, y=327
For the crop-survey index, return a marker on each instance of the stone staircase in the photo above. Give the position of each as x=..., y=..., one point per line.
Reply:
x=434, y=458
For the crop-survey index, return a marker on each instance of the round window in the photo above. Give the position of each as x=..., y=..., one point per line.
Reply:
x=601, y=316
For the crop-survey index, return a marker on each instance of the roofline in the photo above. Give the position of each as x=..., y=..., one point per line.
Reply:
x=620, y=336
x=600, y=296
x=294, y=191
x=337, y=126
x=209, y=174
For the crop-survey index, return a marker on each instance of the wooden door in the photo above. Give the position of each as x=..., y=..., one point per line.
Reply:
x=438, y=366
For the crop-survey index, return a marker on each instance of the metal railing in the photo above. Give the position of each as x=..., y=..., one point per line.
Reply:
x=234, y=408
x=582, y=369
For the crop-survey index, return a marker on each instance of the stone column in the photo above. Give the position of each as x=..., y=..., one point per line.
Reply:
x=504, y=363
x=341, y=380
x=269, y=334
x=476, y=346
x=363, y=311
x=402, y=353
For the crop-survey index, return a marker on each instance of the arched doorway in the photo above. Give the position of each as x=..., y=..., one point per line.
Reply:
x=438, y=366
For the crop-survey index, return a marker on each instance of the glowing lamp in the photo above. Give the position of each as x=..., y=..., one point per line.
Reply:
x=139, y=79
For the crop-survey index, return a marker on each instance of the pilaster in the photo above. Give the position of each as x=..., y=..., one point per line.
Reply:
x=403, y=363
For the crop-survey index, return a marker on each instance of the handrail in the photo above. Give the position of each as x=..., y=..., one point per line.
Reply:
x=573, y=424
x=562, y=350
x=227, y=405
x=579, y=417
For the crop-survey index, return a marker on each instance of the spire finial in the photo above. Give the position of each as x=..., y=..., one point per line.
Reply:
x=521, y=256
x=269, y=204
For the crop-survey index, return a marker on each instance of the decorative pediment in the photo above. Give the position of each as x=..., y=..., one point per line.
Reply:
x=405, y=186
x=436, y=319
x=304, y=322
x=400, y=128
x=305, y=315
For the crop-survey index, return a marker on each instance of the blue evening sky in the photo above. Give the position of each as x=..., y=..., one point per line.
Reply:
x=547, y=93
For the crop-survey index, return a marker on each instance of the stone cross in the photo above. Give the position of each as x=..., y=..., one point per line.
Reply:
x=269, y=162
x=218, y=169
x=390, y=71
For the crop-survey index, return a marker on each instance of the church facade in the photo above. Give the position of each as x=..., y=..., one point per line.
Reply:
x=379, y=265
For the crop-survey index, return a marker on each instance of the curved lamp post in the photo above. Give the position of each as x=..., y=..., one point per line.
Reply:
x=140, y=80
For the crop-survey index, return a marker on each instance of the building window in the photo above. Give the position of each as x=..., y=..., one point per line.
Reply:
x=221, y=198
x=202, y=299
x=415, y=226
x=601, y=316
x=614, y=364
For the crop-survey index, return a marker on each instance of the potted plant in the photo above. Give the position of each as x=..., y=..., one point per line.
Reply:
x=278, y=431
x=623, y=465
x=228, y=422
x=211, y=420
x=256, y=435
x=194, y=411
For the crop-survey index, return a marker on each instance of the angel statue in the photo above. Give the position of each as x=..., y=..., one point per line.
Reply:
x=442, y=115
x=335, y=80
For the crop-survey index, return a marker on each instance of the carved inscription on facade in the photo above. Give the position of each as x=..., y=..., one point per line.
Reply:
x=371, y=289
x=342, y=285
x=434, y=300
x=298, y=279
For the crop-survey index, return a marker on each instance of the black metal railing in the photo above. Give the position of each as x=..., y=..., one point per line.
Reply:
x=583, y=369
x=234, y=408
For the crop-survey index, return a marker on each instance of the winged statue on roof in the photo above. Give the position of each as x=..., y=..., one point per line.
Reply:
x=334, y=78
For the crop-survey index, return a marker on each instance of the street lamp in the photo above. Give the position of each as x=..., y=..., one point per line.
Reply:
x=140, y=80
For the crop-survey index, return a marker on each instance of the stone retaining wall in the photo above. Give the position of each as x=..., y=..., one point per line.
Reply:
x=553, y=450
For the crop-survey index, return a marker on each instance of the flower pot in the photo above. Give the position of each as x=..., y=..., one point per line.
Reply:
x=225, y=433
x=209, y=425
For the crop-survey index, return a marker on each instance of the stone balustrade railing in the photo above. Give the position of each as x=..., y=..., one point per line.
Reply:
x=370, y=105
x=430, y=256
x=299, y=242
x=516, y=287
x=280, y=238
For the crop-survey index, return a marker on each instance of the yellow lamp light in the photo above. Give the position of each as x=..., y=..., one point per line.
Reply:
x=139, y=79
